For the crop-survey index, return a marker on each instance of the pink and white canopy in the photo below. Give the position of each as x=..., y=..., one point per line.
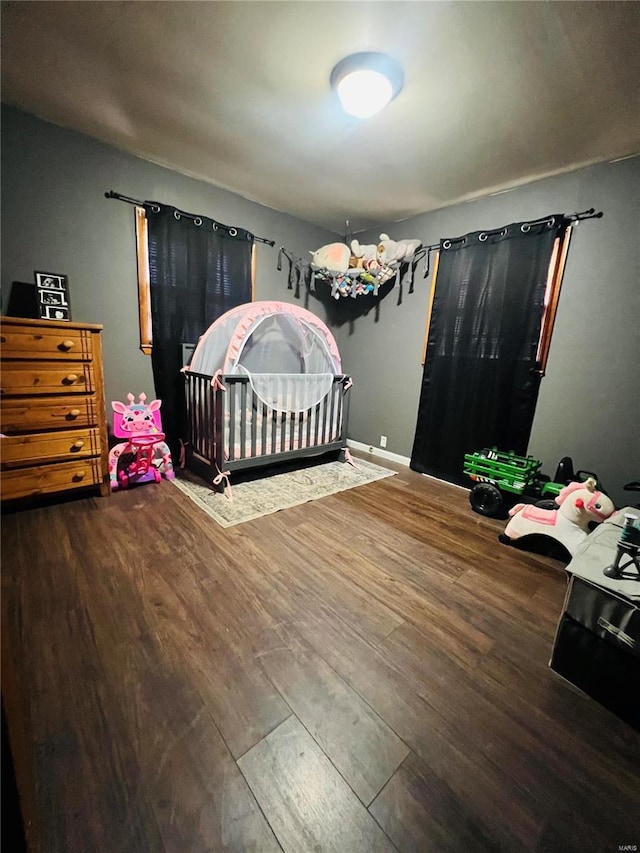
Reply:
x=267, y=338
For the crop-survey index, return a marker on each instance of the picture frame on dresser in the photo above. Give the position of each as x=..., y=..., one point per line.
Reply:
x=52, y=293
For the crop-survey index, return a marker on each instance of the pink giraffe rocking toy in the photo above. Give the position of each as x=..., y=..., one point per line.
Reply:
x=144, y=456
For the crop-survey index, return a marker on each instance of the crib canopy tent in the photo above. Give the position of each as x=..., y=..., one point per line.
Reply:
x=267, y=337
x=268, y=342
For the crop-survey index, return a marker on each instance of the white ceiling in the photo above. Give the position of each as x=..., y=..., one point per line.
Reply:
x=236, y=93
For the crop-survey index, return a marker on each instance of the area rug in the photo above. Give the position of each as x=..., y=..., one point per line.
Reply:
x=257, y=497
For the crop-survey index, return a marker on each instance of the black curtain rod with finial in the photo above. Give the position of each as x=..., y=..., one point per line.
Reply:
x=585, y=214
x=570, y=218
x=128, y=200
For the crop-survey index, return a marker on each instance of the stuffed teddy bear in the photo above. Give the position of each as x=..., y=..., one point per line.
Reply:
x=390, y=251
x=366, y=253
x=333, y=256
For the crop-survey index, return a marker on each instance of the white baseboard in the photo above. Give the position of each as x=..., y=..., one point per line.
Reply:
x=394, y=457
x=378, y=451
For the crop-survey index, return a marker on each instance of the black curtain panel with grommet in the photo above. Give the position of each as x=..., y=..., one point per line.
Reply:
x=198, y=270
x=481, y=377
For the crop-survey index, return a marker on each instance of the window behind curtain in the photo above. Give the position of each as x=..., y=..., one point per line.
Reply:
x=197, y=272
x=482, y=370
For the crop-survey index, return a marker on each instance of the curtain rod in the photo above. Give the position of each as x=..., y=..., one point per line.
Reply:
x=569, y=217
x=128, y=200
x=586, y=214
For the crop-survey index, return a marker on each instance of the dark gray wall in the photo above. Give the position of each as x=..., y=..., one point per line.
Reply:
x=55, y=218
x=589, y=400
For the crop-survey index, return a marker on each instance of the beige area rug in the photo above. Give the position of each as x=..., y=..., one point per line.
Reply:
x=257, y=497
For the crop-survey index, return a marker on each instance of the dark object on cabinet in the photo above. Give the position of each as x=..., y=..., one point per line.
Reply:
x=22, y=301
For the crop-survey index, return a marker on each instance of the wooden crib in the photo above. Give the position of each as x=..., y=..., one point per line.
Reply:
x=231, y=429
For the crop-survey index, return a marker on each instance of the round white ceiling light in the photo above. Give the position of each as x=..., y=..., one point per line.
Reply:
x=366, y=82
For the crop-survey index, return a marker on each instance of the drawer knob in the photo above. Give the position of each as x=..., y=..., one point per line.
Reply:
x=77, y=445
x=79, y=475
x=73, y=413
x=71, y=378
x=67, y=345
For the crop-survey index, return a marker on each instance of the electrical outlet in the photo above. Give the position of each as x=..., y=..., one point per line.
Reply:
x=383, y=441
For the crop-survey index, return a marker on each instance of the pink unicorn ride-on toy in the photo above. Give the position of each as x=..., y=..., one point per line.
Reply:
x=578, y=504
x=144, y=456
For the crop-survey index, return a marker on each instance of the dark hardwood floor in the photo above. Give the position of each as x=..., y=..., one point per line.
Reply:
x=367, y=672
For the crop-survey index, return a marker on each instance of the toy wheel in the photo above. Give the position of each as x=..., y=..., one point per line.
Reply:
x=547, y=503
x=486, y=500
x=157, y=476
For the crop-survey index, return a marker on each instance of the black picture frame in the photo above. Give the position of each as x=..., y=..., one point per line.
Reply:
x=52, y=295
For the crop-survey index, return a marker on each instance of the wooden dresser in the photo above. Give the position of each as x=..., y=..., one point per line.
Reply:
x=52, y=408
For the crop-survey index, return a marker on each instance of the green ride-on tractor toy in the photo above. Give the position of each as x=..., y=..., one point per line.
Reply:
x=501, y=478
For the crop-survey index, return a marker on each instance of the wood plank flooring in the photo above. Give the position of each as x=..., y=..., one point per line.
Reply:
x=368, y=672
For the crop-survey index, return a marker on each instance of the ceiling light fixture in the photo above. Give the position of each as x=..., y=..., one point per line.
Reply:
x=366, y=82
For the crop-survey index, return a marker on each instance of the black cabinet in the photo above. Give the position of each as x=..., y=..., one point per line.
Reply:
x=597, y=645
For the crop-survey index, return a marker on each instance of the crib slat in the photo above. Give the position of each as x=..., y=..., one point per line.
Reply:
x=210, y=421
x=198, y=395
x=265, y=423
x=243, y=420
x=344, y=419
x=332, y=416
x=284, y=398
x=274, y=429
x=231, y=391
x=220, y=427
x=195, y=393
x=194, y=433
x=213, y=421
x=282, y=426
x=253, y=408
x=187, y=395
x=291, y=415
x=300, y=428
x=292, y=403
x=207, y=393
x=316, y=424
x=309, y=417
x=204, y=414
x=325, y=404
x=191, y=396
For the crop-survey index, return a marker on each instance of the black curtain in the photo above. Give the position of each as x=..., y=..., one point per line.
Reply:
x=481, y=379
x=198, y=270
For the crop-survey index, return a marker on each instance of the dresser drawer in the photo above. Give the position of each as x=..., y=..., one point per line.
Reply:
x=43, y=343
x=21, y=378
x=34, y=449
x=44, y=479
x=37, y=414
